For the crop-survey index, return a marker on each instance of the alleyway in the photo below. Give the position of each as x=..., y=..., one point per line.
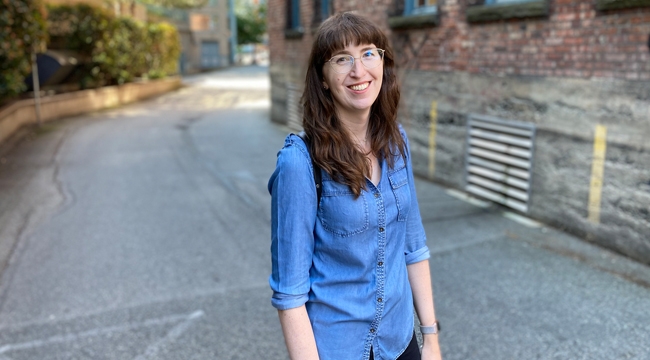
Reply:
x=143, y=233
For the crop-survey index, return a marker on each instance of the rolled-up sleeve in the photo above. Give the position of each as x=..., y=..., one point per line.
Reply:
x=293, y=214
x=416, y=248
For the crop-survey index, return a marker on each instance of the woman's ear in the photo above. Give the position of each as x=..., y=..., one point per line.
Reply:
x=325, y=86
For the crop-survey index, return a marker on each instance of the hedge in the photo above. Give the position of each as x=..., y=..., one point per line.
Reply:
x=114, y=50
x=164, y=51
x=22, y=30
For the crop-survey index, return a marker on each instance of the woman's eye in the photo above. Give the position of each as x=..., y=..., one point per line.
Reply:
x=342, y=60
x=368, y=54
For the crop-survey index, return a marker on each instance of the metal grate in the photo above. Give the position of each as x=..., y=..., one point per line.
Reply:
x=499, y=160
x=294, y=110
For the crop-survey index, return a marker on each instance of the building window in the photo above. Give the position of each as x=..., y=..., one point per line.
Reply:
x=417, y=7
x=294, y=28
x=323, y=11
x=417, y=14
x=294, y=14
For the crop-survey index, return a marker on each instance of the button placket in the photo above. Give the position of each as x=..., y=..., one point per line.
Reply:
x=380, y=269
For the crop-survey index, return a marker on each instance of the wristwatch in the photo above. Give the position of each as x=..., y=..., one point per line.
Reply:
x=432, y=329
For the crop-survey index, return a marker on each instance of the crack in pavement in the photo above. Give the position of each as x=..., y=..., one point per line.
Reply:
x=61, y=199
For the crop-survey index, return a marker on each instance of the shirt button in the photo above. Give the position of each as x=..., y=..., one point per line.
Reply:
x=372, y=331
x=380, y=300
x=380, y=263
x=381, y=229
x=376, y=195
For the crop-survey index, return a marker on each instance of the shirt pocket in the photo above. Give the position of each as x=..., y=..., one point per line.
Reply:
x=399, y=184
x=339, y=212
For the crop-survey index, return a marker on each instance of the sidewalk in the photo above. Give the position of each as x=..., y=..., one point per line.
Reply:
x=507, y=287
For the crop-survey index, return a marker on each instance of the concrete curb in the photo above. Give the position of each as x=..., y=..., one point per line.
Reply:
x=59, y=106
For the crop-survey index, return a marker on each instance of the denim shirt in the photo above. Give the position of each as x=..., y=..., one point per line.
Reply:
x=346, y=258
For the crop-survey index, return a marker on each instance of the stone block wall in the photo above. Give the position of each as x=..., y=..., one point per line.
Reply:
x=578, y=65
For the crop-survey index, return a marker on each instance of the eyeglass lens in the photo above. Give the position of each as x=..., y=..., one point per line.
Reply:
x=342, y=64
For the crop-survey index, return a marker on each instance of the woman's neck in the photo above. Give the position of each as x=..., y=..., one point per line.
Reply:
x=359, y=132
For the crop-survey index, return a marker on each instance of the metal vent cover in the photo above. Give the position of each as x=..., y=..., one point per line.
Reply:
x=500, y=160
x=294, y=110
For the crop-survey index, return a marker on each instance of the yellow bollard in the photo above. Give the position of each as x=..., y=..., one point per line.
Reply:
x=597, y=171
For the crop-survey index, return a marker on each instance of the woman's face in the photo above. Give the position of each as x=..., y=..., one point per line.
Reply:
x=355, y=91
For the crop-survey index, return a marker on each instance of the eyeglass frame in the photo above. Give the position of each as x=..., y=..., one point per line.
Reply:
x=382, y=52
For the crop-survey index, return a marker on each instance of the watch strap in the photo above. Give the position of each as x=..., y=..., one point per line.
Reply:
x=431, y=329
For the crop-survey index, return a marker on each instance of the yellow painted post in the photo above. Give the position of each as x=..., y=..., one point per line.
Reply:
x=597, y=171
x=433, y=116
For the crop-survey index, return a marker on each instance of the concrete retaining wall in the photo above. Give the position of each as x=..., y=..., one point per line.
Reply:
x=565, y=113
x=59, y=106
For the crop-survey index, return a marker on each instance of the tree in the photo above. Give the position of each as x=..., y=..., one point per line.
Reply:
x=251, y=23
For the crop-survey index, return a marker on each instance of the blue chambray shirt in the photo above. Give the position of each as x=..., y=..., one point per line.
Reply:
x=346, y=259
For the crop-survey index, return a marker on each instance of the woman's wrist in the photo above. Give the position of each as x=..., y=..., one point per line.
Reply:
x=430, y=340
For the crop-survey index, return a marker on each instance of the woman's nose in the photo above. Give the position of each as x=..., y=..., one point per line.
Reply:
x=357, y=69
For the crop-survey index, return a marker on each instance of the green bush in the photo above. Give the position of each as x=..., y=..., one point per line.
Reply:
x=164, y=51
x=134, y=44
x=22, y=30
x=115, y=50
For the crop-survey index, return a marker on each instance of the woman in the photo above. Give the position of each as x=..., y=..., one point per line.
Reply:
x=348, y=269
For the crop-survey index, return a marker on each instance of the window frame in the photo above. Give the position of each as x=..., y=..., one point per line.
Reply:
x=492, y=10
x=322, y=10
x=410, y=8
x=294, y=30
x=605, y=5
x=416, y=16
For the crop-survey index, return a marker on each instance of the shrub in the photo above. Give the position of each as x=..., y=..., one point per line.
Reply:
x=164, y=50
x=87, y=30
x=116, y=50
x=22, y=30
x=134, y=44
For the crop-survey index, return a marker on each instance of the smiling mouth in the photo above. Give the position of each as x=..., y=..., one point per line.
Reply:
x=360, y=87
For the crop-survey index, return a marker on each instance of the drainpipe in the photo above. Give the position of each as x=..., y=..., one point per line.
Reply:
x=233, y=31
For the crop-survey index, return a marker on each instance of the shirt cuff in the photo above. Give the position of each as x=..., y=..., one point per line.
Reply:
x=418, y=255
x=282, y=301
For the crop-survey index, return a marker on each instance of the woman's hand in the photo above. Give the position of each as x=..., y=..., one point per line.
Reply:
x=431, y=348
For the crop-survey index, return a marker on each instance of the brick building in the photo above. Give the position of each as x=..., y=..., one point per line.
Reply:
x=540, y=105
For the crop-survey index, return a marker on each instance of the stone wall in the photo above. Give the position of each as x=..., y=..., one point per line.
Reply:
x=577, y=65
x=565, y=113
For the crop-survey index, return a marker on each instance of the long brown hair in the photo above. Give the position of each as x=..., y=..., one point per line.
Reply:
x=331, y=146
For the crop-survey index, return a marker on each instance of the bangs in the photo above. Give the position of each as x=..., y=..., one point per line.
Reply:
x=342, y=30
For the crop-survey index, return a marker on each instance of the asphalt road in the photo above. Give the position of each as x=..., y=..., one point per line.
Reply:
x=143, y=233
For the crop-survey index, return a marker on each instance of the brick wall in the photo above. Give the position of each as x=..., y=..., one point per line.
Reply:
x=576, y=40
x=565, y=73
